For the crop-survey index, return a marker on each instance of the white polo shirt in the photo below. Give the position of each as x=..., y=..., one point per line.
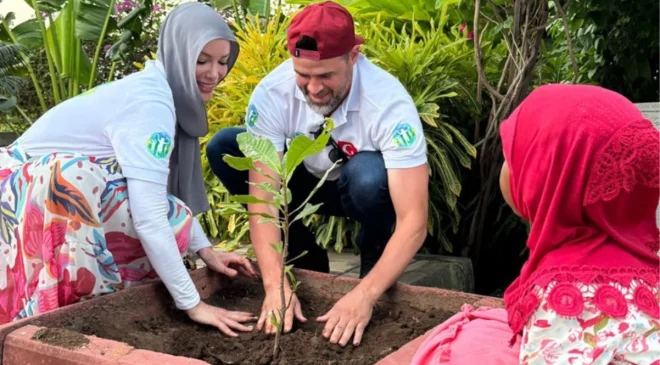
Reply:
x=377, y=115
x=131, y=119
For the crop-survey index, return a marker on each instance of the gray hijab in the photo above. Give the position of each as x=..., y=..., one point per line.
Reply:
x=183, y=34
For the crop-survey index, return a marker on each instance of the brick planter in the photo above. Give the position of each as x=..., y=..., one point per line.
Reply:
x=18, y=347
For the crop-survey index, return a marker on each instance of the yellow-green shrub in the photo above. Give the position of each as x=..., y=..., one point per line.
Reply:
x=262, y=49
x=428, y=61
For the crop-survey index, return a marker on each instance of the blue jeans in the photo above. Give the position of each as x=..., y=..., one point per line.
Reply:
x=360, y=193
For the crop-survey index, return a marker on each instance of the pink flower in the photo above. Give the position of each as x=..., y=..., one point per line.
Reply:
x=156, y=8
x=462, y=27
x=470, y=35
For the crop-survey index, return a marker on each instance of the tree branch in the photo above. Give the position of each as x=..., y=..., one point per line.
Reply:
x=477, y=53
x=562, y=14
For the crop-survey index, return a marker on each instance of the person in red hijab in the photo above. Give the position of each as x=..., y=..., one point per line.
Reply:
x=582, y=165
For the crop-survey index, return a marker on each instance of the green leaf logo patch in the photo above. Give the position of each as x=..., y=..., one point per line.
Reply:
x=252, y=115
x=404, y=135
x=159, y=145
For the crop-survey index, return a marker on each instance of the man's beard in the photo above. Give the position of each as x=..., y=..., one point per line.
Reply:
x=329, y=107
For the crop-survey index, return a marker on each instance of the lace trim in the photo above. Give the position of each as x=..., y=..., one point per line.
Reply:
x=569, y=294
x=654, y=246
x=629, y=159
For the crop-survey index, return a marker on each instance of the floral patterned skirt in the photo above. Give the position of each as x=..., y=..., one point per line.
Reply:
x=615, y=325
x=66, y=232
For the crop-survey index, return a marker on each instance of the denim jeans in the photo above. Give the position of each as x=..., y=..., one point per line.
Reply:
x=360, y=193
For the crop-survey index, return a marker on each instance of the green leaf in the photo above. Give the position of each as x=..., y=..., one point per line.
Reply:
x=270, y=220
x=63, y=35
x=316, y=188
x=302, y=147
x=469, y=148
x=277, y=247
x=258, y=7
x=249, y=199
x=429, y=112
x=590, y=339
x=339, y=236
x=132, y=29
x=297, y=257
x=602, y=324
x=222, y=4
x=91, y=17
x=27, y=33
x=240, y=163
x=292, y=278
x=309, y=209
x=289, y=195
x=266, y=187
x=259, y=214
x=260, y=149
x=274, y=321
x=49, y=6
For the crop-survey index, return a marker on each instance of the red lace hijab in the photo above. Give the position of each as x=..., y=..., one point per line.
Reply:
x=584, y=170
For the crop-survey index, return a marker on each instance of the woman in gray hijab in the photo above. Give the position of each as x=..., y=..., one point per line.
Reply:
x=102, y=191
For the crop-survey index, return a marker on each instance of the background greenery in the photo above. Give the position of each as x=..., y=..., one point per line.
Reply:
x=427, y=44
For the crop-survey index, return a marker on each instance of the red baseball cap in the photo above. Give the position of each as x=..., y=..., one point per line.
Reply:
x=329, y=24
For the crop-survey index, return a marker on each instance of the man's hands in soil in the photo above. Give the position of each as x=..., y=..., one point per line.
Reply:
x=229, y=264
x=271, y=307
x=223, y=319
x=349, y=315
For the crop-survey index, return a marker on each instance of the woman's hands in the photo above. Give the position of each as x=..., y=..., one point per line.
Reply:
x=223, y=319
x=229, y=264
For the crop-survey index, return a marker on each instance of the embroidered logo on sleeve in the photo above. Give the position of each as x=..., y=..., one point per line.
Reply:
x=252, y=115
x=159, y=145
x=404, y=135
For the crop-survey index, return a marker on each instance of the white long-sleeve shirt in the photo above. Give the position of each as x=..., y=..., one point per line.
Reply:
x=132, y=120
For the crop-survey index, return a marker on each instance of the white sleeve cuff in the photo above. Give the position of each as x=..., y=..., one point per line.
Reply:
x=198, y=239
x=405, y=163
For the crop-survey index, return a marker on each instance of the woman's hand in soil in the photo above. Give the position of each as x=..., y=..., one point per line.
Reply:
x=349, y=315
x=223, y=319
x=229, y=264
x=272, y=305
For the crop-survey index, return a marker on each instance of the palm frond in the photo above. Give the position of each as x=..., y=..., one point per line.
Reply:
x=11, y=57
x=11, y=85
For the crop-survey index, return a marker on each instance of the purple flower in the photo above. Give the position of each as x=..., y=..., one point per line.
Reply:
x=156, y=8
x=126, y=5
x=470, y=35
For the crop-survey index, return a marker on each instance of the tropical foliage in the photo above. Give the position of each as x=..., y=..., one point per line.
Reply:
x=71, y=45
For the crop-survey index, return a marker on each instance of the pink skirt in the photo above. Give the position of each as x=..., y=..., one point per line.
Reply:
x=66, y=232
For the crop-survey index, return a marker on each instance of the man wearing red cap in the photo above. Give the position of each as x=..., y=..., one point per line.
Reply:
x=378, y=141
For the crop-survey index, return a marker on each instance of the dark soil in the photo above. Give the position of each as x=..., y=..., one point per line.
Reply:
x=61, y=337
x=390, y=328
